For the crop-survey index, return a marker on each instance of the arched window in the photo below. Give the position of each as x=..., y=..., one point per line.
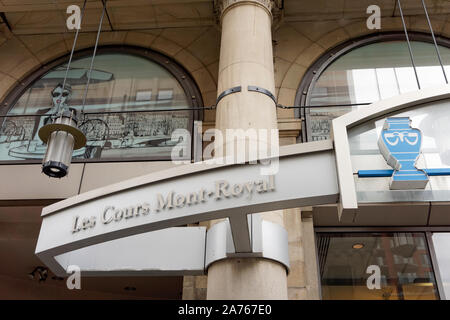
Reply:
x=365, y=71
x=136, y=99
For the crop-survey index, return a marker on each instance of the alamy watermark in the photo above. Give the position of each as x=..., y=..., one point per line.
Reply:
x=374, y=20
x=374, y=280
x=234, y=146
x=74, y=20
x=74, y=280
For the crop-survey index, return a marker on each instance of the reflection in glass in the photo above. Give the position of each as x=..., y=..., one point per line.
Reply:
x=369, y=74
x=405, y=274
x=441, y=242
x=120, y=83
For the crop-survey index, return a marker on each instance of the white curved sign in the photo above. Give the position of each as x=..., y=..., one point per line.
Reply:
x=188, y=194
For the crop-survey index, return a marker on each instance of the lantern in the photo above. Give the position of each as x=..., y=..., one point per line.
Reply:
x=62, y=136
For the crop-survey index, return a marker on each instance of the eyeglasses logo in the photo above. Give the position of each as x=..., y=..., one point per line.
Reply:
x=412, y=138
x=400, y=145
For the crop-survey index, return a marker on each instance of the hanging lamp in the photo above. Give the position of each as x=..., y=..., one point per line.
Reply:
x=62, y=134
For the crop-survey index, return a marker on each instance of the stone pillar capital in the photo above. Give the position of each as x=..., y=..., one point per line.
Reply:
x=221, y=6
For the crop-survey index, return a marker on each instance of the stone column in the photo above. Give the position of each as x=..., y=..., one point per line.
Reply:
x=246, y=58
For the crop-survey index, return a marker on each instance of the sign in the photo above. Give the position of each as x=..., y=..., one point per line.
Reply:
x=348, y=202
x=400, y=145
x=222, y=190
x=184, y=195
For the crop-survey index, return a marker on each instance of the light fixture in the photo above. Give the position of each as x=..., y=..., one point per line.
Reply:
x=358, y=246
x=43, y=274
x=423, y=282
x=40, y=272
x=129, y=289
x=62, y=136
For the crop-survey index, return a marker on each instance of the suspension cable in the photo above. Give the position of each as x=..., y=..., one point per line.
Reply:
x=71, y=52
x=213, y=107
x=434, y=40
x=93, y=57
x=408, y=42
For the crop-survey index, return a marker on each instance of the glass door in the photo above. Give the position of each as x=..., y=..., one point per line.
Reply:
x=376, y=266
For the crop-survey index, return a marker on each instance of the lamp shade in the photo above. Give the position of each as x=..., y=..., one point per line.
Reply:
x=62, y=137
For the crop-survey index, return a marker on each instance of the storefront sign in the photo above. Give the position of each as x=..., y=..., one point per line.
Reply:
x=222, y=190
x=180, y=196
x=396, y=138
x=400, y=145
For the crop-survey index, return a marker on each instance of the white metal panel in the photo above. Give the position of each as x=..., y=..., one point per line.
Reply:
x=173, y=251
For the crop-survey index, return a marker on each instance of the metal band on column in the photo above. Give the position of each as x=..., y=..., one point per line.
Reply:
x=227, y=92
x=263, y=91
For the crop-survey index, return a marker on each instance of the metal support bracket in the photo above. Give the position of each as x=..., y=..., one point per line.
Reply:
x=268, y=240
x=263, y=91
x=249, y=88
x=227, y=92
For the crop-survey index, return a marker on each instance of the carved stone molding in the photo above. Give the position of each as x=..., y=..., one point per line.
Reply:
x=273, y=7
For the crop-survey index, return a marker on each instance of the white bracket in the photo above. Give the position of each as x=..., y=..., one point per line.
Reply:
x=268, y=240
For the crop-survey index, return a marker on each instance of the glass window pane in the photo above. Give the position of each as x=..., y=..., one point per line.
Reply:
x=441, y=242
x=375, y=266
x=389, y=86
x=371, y=73
x=120, y=83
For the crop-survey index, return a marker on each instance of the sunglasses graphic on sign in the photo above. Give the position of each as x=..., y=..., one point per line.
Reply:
x=400, y=145
x=412, y=138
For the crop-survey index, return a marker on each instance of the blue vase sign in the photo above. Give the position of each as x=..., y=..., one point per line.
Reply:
x=400, y=145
